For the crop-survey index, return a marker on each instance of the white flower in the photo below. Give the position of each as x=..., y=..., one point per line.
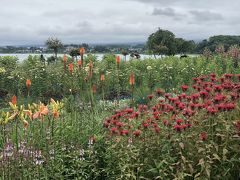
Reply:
x=8, y=151
x=39, y=159
x=108, y=72
x=149, y=68
x=82, y=152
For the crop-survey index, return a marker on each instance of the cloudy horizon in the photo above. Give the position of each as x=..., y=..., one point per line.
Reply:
x=113, y=21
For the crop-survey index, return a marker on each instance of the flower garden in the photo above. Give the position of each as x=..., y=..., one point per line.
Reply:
x=164, y=118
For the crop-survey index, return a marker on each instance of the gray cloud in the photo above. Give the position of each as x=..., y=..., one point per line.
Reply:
x=168, y=12
x=155, y=1
x=164, y=11
x=74, y=21
x=206, y=15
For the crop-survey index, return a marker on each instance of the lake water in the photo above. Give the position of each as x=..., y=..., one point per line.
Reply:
x=22, y=57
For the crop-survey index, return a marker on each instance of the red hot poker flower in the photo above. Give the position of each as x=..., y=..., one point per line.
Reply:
x=132, y=79
x=79, y=62
x=94, y=89
x=65, y=58
x=28, y=83
x=82, y=51
x=65, y=62
x=118, y=59
x=102, y=77
x=14, y=100
x=70, y=68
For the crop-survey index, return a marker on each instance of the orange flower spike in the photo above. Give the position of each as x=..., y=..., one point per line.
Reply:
x=28, y=83
x=65, y=58
x=94, y=89
x=102, y=77
x=132, y=79
x=118, y=59
x=14, y=100
x=90, y=64
x=82, y=51
x=70, y=68
x=65, y=62
x=79, y=62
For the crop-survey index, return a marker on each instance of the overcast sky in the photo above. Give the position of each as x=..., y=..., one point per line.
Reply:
x=110, y=21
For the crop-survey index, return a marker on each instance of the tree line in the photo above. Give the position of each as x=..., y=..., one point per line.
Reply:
x=161, y=42
x=164, y=42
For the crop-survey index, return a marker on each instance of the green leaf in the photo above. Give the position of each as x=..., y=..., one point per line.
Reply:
x=201, y=162
x=197, y=175
x=201, y=150
x=208, y=172
x=184, y=159
x=217, y=157
x=181, y=145
x=225, y=151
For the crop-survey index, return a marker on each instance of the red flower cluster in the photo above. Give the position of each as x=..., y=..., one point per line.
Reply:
x=210, y=95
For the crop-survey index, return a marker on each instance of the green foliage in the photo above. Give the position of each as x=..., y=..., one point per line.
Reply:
x=8, y=78
x=101, y=49
x=226, y=40
x=184, y=46
x=163, y=42
x=75, y=146
x=51, y=80
x=74, y=52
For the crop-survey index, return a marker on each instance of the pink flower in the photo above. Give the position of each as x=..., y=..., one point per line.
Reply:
x=179, y=121
x=157, y=130
x=212, y=110
x=203, y=136
x=178, y=127
x=124, y=132
x=114, y=130
x=184, y=88
x=150, y=97
x=137, y=133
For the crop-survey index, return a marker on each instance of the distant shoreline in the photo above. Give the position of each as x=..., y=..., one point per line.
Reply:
x=23, y=56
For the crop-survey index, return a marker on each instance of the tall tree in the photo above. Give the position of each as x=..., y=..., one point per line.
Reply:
x=184, y=46
x=54, y=44
x=124, y=52
x=74, y=53
x=213, y=42
x=162, y=42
